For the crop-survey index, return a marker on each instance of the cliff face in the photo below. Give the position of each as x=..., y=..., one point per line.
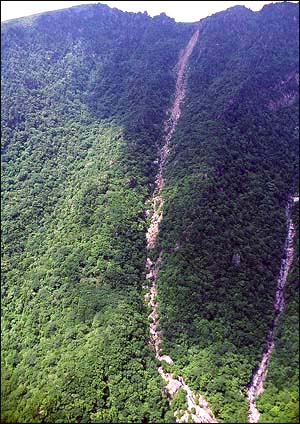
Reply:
x=86, y=93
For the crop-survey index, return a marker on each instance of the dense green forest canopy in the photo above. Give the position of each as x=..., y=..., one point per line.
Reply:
x=234, y=161
x=85, y=92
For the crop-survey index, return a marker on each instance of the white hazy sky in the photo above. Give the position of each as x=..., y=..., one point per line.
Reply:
x=181, y=11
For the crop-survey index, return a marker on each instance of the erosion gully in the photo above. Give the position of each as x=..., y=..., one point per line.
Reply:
x=255, y=387
x=197, y=410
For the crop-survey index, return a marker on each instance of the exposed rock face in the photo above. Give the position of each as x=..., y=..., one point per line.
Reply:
x=287, y=92
x=286, y=99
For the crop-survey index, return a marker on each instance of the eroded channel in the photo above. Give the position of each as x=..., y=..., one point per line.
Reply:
x=197, y=408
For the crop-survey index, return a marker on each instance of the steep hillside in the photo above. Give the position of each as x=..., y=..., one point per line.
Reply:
x=84, y=96
x=233, y=161
x=280, y=400
x=87, y=95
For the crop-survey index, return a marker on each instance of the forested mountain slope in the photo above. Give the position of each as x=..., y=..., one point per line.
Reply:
x=85, y=95
x=234, y=163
